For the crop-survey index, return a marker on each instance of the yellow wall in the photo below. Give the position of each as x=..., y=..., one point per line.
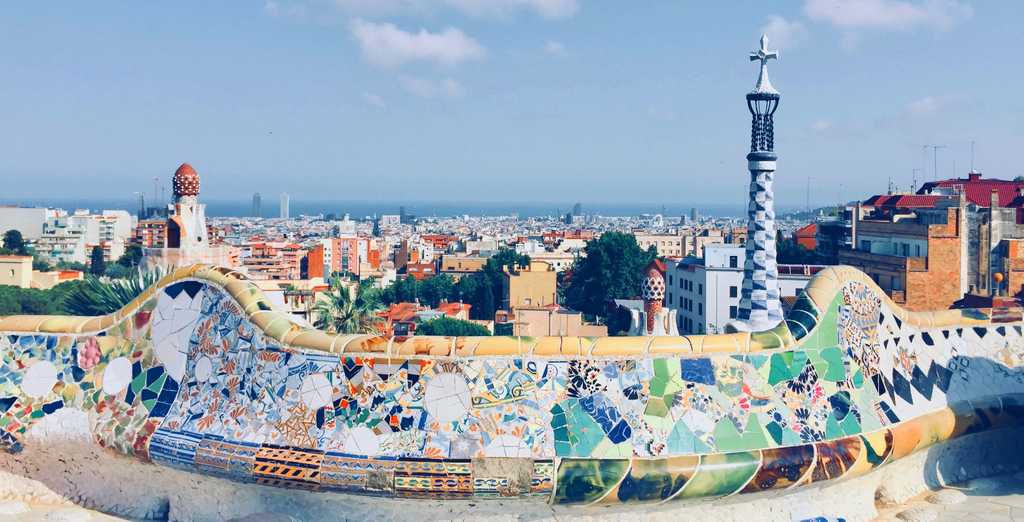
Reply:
x=531, y=287
x=16, y=271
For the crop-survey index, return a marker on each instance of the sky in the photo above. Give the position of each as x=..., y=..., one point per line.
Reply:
x=501, y=100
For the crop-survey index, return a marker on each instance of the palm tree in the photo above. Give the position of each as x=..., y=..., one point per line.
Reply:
x=342, y=312
x=94, y=296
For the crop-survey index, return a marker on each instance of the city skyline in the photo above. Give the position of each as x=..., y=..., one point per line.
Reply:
x=420, y=100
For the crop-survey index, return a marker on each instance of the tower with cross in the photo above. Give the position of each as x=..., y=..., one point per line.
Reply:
x=760, y=305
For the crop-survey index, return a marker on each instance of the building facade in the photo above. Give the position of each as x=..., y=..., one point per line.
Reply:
x=705, y=293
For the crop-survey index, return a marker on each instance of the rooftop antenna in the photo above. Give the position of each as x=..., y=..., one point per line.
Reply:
x=156, y=190
x=913, y=184
x=972, y=155
x=807, y=201
x=935, y=160
x=890, y=185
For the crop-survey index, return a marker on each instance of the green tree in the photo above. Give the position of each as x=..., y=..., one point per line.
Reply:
x=612, y=269
x=789, y=252
x=619, y=320
x=14, y=242
x=340, y=312
x=40, y=264
x=483, y=303
x=119, y=271
x=132, y=257
x=451, y=327
x=97, y=265
x=436, y=289
x=93, y=296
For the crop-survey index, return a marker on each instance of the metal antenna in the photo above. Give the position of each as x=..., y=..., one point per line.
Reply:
x=807, y=201
x=913, y=184
x=935, y=159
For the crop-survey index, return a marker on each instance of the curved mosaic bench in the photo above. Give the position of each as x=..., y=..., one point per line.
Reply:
x=200, y=374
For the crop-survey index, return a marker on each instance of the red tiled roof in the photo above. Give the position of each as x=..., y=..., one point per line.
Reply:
x=977, y=190
x=808, y=230
x=400, y=312
x=903, y=200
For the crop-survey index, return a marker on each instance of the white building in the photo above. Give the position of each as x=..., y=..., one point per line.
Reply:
x=28, y=221
x=62, y=241
x=706, y=292
x=285, y=203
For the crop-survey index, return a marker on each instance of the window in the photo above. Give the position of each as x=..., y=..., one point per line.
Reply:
x=904, y=249
x=700, y=288
x=670, y=279
x=917, y=250
x=734, y=262
x=732, y=312
x=700, y=308
x=682, y=284
x=732, y=291
x=670, y=300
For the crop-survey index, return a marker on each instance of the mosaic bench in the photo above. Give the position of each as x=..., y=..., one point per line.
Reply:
x=200, y=374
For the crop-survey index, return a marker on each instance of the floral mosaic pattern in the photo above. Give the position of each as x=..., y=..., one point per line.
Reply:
x=189, y=380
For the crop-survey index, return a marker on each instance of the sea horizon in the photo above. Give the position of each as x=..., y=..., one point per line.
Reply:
x=363, y=209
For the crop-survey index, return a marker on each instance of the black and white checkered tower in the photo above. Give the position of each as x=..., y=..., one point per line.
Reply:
x=760, y=306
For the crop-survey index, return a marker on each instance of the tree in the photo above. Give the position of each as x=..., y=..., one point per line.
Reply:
x=483, y=301
x=612, y=269
x=341, y=312
x=132, y=257
x=436, y=289
x=14, y=242
x=451, y=327
x=95, y=297
x=97, y=265
x=788, y=251
x=619, y=320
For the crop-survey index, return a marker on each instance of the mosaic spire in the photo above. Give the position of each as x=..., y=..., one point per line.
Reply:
x=760, y=305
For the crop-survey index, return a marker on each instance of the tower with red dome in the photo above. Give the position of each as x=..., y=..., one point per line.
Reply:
x=186, y=224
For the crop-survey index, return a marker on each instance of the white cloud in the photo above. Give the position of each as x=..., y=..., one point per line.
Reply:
x=928, y=105
x=427, y=88
x=386, y=45
x=500, y=8
x=555, y=49
x=822, y=126
x=289, y=9
x=894, y=15
x=374, y=100
x=784, y=34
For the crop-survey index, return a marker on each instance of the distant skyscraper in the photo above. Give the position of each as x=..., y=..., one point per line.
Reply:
x=142, y=205
x=760, y=305
x=257, y=203
x=577, y=209
x=694, y=217
x=284, y=205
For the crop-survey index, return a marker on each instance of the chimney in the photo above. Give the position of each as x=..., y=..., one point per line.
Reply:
x=994, y=199
x=973, y=175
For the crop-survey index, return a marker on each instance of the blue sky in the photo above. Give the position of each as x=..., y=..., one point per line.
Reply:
x=500, y=100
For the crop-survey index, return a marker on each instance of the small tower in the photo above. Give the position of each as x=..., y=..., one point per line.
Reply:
x=654, y=318
x=652, y=292
x=760, y=305
x=186, y=226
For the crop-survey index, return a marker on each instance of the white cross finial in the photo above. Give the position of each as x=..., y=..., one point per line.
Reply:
x=763, y=55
